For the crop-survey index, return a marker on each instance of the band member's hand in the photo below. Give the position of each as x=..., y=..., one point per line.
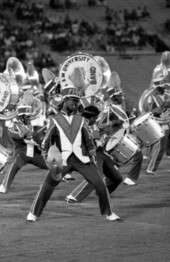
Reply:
x=93, y=160
x=92, y=153
x=93, y=156
x=44, y=155
x=126, y=125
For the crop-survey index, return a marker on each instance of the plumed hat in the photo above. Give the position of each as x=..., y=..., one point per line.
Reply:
x=52, y=86
x=114, y=85
x=158, y=76
x=165, y=59
x=47, y=75
x=71, y=91
x=52, y=82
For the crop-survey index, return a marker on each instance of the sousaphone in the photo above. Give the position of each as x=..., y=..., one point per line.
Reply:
x=105, y=70
x=11, y=81
x=9, y=97
x=145, y=106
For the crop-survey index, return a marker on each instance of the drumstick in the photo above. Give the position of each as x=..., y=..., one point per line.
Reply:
x=131, y=117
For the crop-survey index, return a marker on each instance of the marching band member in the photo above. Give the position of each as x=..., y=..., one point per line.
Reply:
x=53, y=97
x=105, y=162
x=159, y=103
x=52, y=93
x=165, y=61
x=117, y=99
x=117, y=109
x=109, y=122
x=25, y=151
x=77, y=153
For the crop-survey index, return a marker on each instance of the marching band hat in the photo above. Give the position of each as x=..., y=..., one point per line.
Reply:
x=71, y=91
x=114, y=91
x=114, y=80
x=114, y=85
x=52, y=85
x=165, y=59
x=90, y=111
x=26, y=85
x=158, y=76
x=24, y=110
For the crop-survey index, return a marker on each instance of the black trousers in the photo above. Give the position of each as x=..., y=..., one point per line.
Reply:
x=106, y=167
x=157, y=151
x=52, y=179
x=20, y=160
x=136, y=165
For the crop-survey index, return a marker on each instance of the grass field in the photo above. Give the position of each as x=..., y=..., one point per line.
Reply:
x=77, y=232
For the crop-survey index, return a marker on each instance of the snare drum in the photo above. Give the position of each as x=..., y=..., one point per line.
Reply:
x=91, y=70
x=147, y=129
x=3, y=156
x=124, y=150
x=9, y=92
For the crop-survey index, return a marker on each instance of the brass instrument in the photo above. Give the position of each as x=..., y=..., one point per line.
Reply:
x=143, y=101
x=105, y=70
x=160, y=78
x=9, y=97
x=32, y=75
x=15, y=69
x=11, y=82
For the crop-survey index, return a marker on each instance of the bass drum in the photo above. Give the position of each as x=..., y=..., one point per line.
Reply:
x=9, y=93
x=91, y=71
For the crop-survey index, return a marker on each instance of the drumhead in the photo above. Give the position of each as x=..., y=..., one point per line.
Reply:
x=140, y=119
x=115, y=139
x=91, y=69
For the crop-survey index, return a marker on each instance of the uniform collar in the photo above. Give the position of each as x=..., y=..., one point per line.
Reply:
x=65, y=114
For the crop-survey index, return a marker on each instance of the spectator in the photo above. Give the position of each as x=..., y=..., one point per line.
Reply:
x=92, y=3
x=56, y=4
x=145, y=12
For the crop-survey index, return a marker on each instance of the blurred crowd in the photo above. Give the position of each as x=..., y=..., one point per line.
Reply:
x=22, y=34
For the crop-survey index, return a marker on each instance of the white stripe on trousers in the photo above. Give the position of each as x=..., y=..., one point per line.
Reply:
x=153, y=155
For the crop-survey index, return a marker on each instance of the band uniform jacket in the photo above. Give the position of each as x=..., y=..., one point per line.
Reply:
x=17, y=132
x=71, y=135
